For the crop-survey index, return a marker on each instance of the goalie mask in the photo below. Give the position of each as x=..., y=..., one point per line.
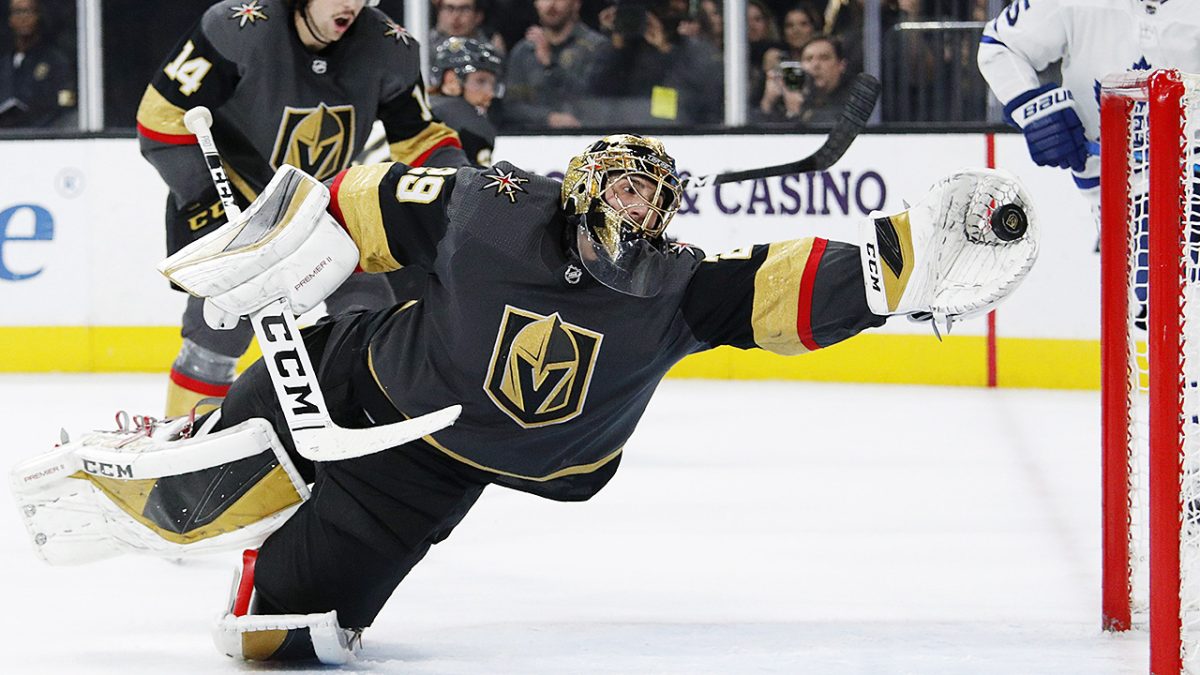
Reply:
x=621, y=194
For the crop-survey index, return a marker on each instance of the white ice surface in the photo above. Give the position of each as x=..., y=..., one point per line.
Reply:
x=753, y=528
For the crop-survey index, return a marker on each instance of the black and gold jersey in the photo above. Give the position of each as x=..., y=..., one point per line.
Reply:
x=274, y=103
x=553, y=369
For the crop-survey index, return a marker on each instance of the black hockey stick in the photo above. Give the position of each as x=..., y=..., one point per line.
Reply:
x=864, y=92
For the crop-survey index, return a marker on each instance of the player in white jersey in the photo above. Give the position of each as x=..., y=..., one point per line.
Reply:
x=1092, y=38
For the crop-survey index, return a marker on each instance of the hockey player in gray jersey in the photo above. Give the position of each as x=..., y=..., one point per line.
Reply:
x=467, y=80
x=553, y=311
x=295, y=82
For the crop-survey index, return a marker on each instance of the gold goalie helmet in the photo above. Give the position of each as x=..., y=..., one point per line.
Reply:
x=621, y=193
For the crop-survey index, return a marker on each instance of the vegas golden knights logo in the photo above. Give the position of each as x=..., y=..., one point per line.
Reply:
x=541, y=368
x=317, y=140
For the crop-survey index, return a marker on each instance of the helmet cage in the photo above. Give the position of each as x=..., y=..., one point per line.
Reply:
x=625, y=191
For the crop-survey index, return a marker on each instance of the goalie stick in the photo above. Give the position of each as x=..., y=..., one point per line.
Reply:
x=864, y=92
x=314, y=433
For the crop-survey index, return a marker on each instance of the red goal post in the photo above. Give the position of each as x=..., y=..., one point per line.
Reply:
x=1150, y=365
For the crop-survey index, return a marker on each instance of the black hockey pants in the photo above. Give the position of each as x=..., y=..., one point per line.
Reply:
x=370, y=519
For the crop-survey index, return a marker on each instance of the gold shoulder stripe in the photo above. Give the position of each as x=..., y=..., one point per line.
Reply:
x=413, y=151
x=777, y=297
x=159, y=115
x=358, y=199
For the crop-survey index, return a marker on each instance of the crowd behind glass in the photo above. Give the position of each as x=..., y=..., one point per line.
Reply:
x=596, y=64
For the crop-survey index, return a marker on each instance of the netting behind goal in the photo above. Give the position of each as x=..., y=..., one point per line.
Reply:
x=1150, y=346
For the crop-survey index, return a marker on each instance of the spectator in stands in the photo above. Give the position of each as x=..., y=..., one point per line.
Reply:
x=463, y=18
x=710, y=24
x=511, y=18
x=813, y=97
x=37, y=80
x=548, y=71
x=827, y=87
x=761, y=26
x=801, y=23
x=653, y=75
x=762, y=34
x=844, y=20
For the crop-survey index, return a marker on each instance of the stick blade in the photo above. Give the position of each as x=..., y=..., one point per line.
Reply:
x=855, y=113
x=334, y=443
x=864, y=94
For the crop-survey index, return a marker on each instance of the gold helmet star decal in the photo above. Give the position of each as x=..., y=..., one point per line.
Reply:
x=248, y=12
x=506, y=184
x=395, y=30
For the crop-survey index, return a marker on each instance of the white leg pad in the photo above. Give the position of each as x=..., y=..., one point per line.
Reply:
x=148, y=490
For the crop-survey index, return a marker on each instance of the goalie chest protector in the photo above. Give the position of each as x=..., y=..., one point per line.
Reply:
x=552, y=368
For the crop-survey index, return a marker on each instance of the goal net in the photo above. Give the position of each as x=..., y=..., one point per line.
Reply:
x=1150, y=290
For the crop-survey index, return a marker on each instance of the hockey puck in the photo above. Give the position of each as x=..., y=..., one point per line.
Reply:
x=1009, y=222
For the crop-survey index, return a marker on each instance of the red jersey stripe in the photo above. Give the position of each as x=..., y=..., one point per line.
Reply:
x=170, y=139
x=804, y=300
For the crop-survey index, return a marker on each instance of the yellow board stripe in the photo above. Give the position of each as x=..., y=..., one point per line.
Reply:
x=777, y=297
x=358, y=200
x=100, y=349
x=870, y=357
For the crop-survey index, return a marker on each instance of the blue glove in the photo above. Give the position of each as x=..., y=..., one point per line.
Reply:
x=1052, y=129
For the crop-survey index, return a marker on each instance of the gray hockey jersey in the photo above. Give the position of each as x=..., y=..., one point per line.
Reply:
x=553, y=369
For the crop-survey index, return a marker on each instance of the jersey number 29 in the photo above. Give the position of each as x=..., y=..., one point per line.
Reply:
x=422, y=184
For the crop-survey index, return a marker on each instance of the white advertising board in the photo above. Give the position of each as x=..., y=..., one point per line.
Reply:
x=81, y=221
x=81, y=228
x=1060, y=299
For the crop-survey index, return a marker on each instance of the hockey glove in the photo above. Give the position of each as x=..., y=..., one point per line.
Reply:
x=957, y=252
x=1052, y=129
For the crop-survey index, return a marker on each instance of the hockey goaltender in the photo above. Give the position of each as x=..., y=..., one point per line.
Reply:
x=553, y=312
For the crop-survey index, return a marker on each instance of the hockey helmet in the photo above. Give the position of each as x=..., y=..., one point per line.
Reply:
x=464, y=56
x=621, y=193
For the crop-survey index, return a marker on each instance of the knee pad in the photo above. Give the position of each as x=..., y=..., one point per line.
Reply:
x=158, y=488
x=243, y=633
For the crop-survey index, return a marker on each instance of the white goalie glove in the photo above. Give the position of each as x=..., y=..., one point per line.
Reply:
x=956, y=253
x=284, y=246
